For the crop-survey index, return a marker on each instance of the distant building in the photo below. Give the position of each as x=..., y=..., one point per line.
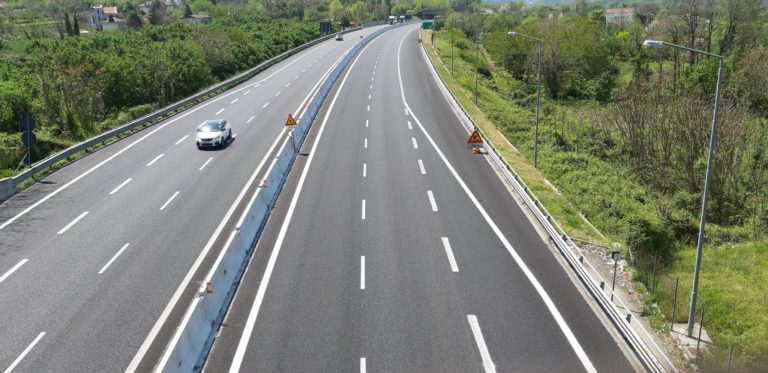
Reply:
x=104, y=18
x=197, y=20
x=619, y=16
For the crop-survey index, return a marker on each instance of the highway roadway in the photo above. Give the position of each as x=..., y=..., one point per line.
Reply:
x=98, y=258
x=392, y=248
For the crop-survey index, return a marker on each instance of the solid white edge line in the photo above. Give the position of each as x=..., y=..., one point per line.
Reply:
x=362, y=272
x=128, y=180
x=181, y=139
x=365, y=169
x=131, y=145
x=449, y=252
x=142, y=351
x=14, y=269
x=220, y=111
x=205, y=164
x=487, y=362
x=23, y=354
x=250, y=323
x=362, y=365
x=72, y=223
x=113, y=258
x=155, y=160
x=583, y=358
x=169, y=201
x=415, y=144
x=421, y=167
x=432, y=200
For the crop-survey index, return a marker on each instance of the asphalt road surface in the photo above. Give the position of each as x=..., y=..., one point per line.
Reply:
x=95, y=257
x=394, y=249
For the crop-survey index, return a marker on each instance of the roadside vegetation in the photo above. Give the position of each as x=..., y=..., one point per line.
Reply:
x=77, y=82
x=624, y=134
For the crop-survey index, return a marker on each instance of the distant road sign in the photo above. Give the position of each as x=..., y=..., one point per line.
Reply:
x=28, y=138
x=290, y=121
x=28, y=123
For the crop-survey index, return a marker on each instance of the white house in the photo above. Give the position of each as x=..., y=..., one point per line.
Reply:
x=619, y=16
x=105, y=18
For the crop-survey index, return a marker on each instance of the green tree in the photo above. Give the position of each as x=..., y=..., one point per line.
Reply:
x=336, y=9
x=157, y=13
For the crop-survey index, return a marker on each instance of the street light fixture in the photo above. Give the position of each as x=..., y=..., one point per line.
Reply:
x=538, y=96
x=712, y=137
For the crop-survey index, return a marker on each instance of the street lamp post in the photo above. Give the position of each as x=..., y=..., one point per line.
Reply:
x=538, y=97
x=712, y=138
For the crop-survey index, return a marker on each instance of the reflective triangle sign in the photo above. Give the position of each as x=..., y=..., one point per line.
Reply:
x=475, y=138
x=290, y=121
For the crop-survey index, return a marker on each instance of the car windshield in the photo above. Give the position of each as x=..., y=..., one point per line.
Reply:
x=211, y=127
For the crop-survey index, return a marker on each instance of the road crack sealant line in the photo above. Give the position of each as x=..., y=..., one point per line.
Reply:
x=563, y=242
x=192, y=342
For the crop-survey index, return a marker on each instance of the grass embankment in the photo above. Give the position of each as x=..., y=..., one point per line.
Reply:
x=574, y=157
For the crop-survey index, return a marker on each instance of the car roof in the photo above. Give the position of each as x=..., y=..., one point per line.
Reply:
x=215, y=121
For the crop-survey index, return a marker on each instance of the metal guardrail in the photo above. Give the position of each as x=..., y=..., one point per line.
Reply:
x=565, y=245
x=9, y=186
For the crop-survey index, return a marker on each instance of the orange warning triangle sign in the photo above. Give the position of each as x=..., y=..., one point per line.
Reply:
x=290, y=121
x=475, y=138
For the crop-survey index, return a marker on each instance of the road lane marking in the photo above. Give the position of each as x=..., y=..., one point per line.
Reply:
x=410, y=126
x=362, y=272
x=295, y=77
x=256, y=85
x=220, y=111
x=369, y=96
x=421, y=167
x=363, y=208
x=487, y=362
x=232, y=102
x=128, y=180
x=575, y=345
x=362, y=365
x=415, y=145
x=371, y=86
x=374, y=71
x=10, y=271
x=365, y=145
x=23, y=354
x=369, y=107
x=265, y=105
x=72, y=223
x=406, y=111
x=449, y=252
x=150, y=339
x=432, y=200
x=113, y=258
x=234, y=135
x=237, y=359
x=288, y=85
x=277, y=94
x=366, y=123
x=181, y=139
x=155, y=160
x=169, y=201
x=365, y=169
x=206, y=163
x=247, y=92
x=250, y=119
x=371, y=78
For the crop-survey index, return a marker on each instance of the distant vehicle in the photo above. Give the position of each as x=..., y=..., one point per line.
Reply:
x=392, y=20
x=401, y=19
x=339, y=37
x=213, y=133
